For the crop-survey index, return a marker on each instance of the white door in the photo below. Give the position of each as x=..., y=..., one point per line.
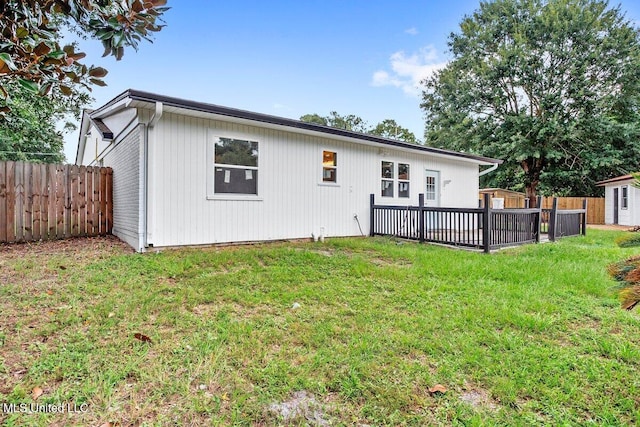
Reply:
x=432, y=189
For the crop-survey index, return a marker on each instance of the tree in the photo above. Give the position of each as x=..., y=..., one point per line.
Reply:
x=28, y=131
x=335, y=120
x=550, y=86
x=30, y=50
x=390, y=129
x=387, y=128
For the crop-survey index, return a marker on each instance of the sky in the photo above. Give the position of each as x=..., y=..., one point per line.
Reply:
x=286, y=58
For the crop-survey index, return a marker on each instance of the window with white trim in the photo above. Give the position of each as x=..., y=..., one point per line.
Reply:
x=395, y=178
x=403, y=180
x=329, y=166
x=388, y=174
x=235, y=166
x=624, y=202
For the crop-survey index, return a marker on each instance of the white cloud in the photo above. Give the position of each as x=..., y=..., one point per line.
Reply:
x=412, y=31
x=409, y=70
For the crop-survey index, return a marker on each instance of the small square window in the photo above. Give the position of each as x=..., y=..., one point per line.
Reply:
x=387, y=170
x=387, y=188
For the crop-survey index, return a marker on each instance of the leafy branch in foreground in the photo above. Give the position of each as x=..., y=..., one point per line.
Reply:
x=30, y=34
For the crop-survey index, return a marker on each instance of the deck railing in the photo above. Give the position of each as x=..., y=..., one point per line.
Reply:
x=483, y=228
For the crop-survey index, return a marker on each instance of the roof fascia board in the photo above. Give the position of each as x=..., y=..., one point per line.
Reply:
x=614, y=181
x=82, y=136
x=114, y=106
x=317, y=131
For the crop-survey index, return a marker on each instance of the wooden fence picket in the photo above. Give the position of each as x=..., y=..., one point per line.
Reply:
x=49, y=201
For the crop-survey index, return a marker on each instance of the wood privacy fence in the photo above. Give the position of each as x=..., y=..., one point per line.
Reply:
x=482, y=228
x=51, y=201
x=595, y=205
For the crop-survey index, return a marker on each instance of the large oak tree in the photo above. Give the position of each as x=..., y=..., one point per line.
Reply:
x=550, y=86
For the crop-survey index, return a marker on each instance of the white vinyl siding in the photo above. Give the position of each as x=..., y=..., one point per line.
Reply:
x=124, y=159
x=626, y=216
x=291, y=202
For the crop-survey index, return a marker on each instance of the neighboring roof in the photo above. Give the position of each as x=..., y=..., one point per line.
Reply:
x=616, y=179
x=137, y=95
x=503, y=190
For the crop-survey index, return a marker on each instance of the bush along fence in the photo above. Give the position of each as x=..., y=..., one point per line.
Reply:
x=481, y=228
x=51, y=201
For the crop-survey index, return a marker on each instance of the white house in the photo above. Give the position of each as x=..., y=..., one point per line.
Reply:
x=621, y=201
x=191, y=173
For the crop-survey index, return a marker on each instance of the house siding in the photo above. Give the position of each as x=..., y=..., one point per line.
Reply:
x=630, y=215
x=292, y=200
x=125, y=160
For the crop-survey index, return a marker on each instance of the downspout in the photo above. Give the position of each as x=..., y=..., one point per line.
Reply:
x=145, y=173
x=488, y=170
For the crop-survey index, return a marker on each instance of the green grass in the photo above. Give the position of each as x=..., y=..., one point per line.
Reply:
x=536, y=330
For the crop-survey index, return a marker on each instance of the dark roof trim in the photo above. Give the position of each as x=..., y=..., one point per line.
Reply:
x=281, y=121
x=616, y=179
x=104, y=129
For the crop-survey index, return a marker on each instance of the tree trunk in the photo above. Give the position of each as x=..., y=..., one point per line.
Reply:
x=532, y=170
x=531, y=194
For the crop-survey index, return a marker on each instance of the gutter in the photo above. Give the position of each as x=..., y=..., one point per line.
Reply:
x=488, y=170
x=143, y=219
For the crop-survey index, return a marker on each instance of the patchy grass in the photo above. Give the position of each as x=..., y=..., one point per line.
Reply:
x=530, y=335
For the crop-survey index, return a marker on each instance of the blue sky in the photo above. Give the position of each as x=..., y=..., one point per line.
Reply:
x=291, y=58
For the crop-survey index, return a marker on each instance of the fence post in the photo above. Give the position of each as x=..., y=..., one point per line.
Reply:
x=372, y=201
x=584, y=217
x=486, y=229
x=526, y=203
x=553, y=220
x=421, y=217
x=539, y=225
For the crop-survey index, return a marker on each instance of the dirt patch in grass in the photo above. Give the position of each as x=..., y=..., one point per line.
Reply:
x=301, y=406
x=479, y=399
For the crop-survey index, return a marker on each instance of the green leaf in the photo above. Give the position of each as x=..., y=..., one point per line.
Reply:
x=22, y=32
x=6, y=58
x=29, y=85
x=57, y=54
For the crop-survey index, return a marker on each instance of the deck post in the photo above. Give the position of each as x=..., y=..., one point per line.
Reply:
x=539, y=224
x=553, y=220
x=584, y=217
x=526, y=203
x=486, y=229
x=372, y=201
x=421, y=217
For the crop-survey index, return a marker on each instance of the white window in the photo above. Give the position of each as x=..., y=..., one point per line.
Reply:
x=235, y=166
x=403, y=180
x=329, y=166
x=624, y=202
x=395, y=178
x=388, y=175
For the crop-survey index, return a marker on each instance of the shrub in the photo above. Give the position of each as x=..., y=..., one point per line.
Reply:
x=628, y=240
x=627, y=272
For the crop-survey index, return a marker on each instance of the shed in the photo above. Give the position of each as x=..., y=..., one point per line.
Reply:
x=192, y=173
x=622, y=201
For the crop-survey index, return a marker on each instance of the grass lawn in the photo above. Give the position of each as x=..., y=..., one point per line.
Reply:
x=527, y=336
